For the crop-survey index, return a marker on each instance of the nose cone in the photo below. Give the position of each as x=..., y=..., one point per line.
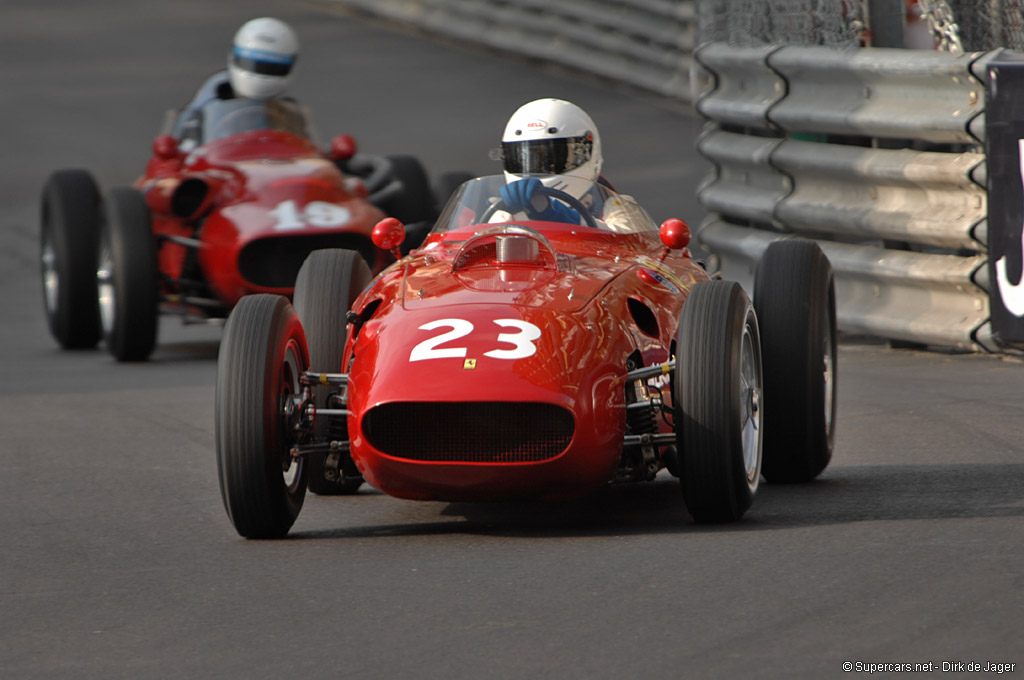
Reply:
x=444, y=408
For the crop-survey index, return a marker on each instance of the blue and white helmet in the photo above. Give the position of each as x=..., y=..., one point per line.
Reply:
x=262, y=57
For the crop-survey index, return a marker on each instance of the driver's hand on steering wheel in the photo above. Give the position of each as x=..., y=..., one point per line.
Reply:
x=525, y=195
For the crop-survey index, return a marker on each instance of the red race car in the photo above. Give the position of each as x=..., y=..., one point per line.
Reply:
x=231, y=203
x=520, y=359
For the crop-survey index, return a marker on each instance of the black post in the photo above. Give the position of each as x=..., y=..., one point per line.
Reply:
x=887, y=19
x=1004, y=153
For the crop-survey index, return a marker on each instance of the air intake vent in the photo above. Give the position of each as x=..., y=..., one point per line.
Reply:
x=275, y=262
x=474, y=432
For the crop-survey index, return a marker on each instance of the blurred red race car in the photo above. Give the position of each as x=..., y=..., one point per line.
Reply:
x=509, y=359
x=231, y=203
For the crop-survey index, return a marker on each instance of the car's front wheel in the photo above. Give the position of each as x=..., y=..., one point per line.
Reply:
x=126, y=276
x=717, y=389
x=328, y=283
x=262, y=356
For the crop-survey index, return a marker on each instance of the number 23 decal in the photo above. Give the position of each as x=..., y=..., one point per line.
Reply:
x=522, y=340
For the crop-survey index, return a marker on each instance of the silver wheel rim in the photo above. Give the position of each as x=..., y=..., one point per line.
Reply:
x=291, y=467
x=828, y=371
x=51, y=279
x=105, y=288
x=750, y=407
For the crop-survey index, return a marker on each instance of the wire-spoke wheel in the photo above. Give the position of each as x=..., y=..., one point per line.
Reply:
x=718, y=392
x=262, y=356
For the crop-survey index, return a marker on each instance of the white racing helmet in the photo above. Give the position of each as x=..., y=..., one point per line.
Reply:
x=552, y=137
x=261, y=58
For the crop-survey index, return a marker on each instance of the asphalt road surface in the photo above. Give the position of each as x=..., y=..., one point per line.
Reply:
x=117, y=559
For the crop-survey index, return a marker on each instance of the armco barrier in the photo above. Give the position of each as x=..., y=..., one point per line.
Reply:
x=921, y=95
x=646, y=43
x=924, y=298
x=876, y=154
x=875, y=194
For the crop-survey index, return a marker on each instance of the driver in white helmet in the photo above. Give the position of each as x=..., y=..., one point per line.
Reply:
x=260, y=63
x=552, y=143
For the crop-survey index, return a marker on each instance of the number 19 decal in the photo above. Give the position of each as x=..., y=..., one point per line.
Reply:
x=287, y=215
x=521, y=340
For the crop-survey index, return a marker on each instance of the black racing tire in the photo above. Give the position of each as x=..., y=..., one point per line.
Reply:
x=262, y=354
x=69, y=241
x=328, y=283
x=416, y=202
x=794, y=295
x=126, y=276
x=717, y=391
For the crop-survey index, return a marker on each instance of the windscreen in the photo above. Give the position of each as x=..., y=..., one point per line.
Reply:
x=219, y=118
x=479, y=201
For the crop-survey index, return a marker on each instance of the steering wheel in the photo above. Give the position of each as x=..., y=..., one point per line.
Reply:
x=568, y=199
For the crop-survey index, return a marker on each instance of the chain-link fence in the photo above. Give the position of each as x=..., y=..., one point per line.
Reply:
x=989, y=24
x=968, y=25
x=793, y=22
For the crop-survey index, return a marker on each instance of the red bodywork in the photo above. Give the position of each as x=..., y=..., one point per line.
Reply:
x=258, y=202
x=605, y=297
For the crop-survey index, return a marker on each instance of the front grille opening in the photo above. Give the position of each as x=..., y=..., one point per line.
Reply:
x=275, y=262
x=473, y=432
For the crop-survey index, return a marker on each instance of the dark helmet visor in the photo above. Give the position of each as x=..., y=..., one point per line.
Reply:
x=546, y=156
x=262, y=62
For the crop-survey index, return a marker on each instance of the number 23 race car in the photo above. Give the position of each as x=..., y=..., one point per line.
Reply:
x=233, y=199
x=513, y=358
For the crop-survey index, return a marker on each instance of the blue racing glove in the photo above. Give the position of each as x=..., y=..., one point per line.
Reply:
x=517, y=195
x=522, y=196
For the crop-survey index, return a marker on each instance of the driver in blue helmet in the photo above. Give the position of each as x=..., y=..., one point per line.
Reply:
x=260, y=63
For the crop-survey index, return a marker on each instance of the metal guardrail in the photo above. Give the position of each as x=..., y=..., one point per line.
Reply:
x=734, y=86
x=645, y=43
x=922, y=95
x=841, y=192
x=929, y=299
x=876, y=154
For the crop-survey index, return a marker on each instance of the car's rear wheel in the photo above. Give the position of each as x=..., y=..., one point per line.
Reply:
x=262, y=355
x=126, y=276
x=69, y=237
x=717, y=392
x=328, y=283
x=446, y=185
x=415, y=203
x=794, y=295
